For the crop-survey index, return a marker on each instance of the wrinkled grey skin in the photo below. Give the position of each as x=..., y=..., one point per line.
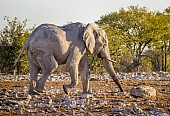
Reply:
x=49, y=46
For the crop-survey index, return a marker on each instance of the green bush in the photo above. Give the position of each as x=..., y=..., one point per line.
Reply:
x=12, y=39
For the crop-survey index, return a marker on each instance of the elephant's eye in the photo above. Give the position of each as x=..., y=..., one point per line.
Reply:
x=104, y=45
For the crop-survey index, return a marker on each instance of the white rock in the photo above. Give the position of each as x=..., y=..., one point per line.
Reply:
x=128, y=111
x=74, y=103
x=84, y=96
x=65, y=97
x=24, y=89
x=73, y=91
x=138, y=110
x=31, y=110
x=50, y=101
x=115, y=90
x=29, y=96
x=121, y=104
x=133, y=104
x=143, y=91
x=51, y=78
x=35, y=96
x=114, y=109
x=58, y=91
x=41, y=112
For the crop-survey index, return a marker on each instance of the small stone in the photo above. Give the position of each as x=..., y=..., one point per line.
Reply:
x=41, y=112
x=29, y=96
x=120, y=114
x=65, y=97
x=149, y=102
x=121, y=104
x=24, y=89
x=73, y=92
x=73, y=103
x=31, y=110
x=35, y=96
x=88, y=114
x=50, y=101
x=19, y=109
x=58, y=91
x=114, y=110
x=133, y=104
x=84, y=96
x=128, y=111
x=138, y=110
x=163, y=114
x=52, y=109
x=154, y=109
x=116, y=90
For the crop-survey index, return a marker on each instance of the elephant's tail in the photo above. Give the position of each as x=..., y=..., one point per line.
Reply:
x=25, y=47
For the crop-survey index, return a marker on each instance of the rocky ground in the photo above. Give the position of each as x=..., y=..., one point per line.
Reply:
x=105, y=100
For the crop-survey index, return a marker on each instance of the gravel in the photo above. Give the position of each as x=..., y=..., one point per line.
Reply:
x=16, y=101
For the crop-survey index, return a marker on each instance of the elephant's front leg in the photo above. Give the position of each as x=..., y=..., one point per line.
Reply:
x=84, y=73
x=72, y=65
x=74, y=79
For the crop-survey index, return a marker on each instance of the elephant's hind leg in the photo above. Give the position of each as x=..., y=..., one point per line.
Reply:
x=48, y=66
x=34, y=70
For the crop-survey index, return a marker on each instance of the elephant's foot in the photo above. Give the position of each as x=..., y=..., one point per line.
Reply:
x=31, y=92
x=66, y=89
x=39, y=90
x=87, y=91
x=34, y=93
x=86, y=94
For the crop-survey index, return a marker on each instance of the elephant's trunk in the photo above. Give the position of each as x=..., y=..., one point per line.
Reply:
x=105, y=55
x=109, y=68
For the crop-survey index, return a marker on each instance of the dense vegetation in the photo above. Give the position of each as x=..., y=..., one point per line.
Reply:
x=12, y=39
x=139, y=40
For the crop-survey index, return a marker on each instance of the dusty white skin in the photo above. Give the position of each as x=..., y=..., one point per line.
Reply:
x=49, y=46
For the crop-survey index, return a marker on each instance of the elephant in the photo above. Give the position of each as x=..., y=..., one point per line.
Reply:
x=50, y=45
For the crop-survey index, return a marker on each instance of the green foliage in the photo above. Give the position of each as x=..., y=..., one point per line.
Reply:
x=12, y=39
x=167, y=10
x=134, y=31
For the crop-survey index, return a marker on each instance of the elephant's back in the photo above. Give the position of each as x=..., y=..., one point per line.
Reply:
x=45, y=31
x=47, y=34
x=50, y=38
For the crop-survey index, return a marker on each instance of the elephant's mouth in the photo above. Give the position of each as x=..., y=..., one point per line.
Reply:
x=99, y=56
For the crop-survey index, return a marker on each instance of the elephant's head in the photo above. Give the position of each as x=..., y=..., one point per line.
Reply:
x=97, y=43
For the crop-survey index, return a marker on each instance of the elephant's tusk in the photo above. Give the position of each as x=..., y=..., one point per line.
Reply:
x=109, y=59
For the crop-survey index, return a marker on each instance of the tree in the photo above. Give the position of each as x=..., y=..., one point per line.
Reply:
x=12, y=39
x=167, y=10
x=132, y=31
x=154, y=57
x=162, y=45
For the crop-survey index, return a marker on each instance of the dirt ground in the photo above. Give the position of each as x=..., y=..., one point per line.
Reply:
x=104, y=91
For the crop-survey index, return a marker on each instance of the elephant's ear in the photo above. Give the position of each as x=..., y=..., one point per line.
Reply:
x=89, y=37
